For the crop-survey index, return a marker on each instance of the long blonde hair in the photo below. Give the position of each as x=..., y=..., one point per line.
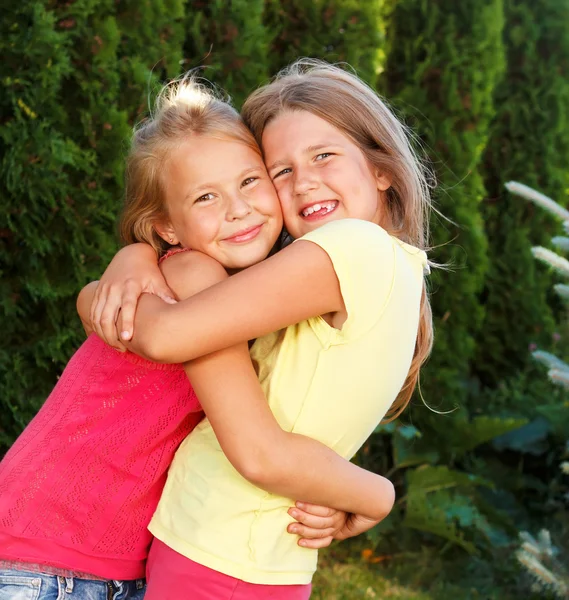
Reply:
x=184, y=108
x=346, y=102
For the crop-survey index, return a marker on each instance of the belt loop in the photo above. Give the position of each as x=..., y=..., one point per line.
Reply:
x=118, y=588
x=69, y=585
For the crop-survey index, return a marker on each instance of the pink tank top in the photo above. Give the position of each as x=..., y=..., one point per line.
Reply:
x=79, y=486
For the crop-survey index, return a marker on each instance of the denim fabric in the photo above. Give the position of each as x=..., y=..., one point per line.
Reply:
x=25, y=585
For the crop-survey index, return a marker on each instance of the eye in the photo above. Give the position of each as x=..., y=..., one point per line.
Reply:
x=283, y=172
x=248, y=181
x=323, y=155
x=205, y=197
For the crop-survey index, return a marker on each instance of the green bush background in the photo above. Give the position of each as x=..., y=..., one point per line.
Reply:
x=485, y=86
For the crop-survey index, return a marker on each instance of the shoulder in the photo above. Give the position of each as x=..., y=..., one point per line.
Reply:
x=352, y=242
x=352, y=239
x=346, y=229
x=188, y=273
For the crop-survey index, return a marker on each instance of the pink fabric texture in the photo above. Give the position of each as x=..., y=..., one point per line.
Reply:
x=172, y=576
x=172, y=252
x=79, y=486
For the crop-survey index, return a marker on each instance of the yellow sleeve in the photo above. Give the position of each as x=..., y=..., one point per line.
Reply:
x=364, y=258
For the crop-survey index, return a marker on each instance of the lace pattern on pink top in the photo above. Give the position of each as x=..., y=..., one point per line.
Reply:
x=78, y=487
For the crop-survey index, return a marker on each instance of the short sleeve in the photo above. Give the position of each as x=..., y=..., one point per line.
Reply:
x=364, y=256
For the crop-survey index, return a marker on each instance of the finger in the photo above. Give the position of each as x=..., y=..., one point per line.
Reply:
x=310, y=533
x=316, y=509
x=316, y=544
x=315, y=521
x=166, y=294
x=129, y=303
x=94, y=313
x=108, y=321
x=97, y=309
x=94, y=304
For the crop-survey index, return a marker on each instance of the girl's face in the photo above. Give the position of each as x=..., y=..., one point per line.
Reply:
x=221, y=202
x=320, y=174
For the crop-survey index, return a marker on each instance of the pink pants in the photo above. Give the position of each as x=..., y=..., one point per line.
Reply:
x=172, y=576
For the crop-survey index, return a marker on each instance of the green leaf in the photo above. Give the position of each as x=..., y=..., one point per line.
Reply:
x=428, y=479
x=529, y=439
x=410, y=452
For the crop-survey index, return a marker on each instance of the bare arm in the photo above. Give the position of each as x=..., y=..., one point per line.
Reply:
x=297, y=283
x=84, y=300
x=277, y=461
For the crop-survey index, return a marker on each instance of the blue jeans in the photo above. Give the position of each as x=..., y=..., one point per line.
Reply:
x=25, y=585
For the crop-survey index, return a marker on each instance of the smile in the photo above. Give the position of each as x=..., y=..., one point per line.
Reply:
x=319, y=209
x=245, y=235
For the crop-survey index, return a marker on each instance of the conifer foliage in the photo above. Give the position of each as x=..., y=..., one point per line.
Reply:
x=231, y=42
x=335, y=30
x=529, y=142
x=67, y=95
x=443, y=62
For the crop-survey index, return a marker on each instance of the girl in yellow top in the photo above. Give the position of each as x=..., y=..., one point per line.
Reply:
x=349, y=302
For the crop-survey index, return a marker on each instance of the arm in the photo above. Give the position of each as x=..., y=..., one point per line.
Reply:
x=84, y=305
x=133, y=271
x=277, y=461
x=297, y=283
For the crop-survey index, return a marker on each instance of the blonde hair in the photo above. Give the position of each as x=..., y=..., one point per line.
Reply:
x=187, y=107
x=347, y=103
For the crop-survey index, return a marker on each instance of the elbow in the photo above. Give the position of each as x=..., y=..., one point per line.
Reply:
x=150, y=342
x=386, y=501
x=261, y=468
x=253, y=471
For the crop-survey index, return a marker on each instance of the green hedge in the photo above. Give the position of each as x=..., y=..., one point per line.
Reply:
x=72, y=82
x=231, y=42
x=443, y=62
x=529, y=142
x=338, y=31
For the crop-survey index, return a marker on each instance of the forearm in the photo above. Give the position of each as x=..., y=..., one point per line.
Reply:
x=297, y=283
x=302, y=468
x=280, y=462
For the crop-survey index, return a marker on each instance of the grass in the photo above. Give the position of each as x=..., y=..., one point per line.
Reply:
x=418, y=571
x=426, y=574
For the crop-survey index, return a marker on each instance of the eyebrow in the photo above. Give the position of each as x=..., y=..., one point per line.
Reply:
x=307, y=150
x=205, y=186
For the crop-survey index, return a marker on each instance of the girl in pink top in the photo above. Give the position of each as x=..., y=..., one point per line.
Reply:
x=78, y=487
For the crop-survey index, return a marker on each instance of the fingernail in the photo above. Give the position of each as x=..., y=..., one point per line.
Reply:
x=294, y=529
x=294, y=514
x=301, y=505
x=125, y=335
x=170, y=300
x=302, y=543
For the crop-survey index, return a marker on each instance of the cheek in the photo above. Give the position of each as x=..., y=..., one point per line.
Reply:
x=267, y=200
x=284, y=197
x=202, y=228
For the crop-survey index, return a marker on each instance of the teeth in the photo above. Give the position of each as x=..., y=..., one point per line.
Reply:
x=328, y=206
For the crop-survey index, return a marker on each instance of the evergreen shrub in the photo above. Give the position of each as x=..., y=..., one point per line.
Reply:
x=529, y=141
x=65, y=118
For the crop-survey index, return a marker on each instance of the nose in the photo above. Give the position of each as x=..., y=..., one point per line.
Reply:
x=305, y=181
x=238, y=207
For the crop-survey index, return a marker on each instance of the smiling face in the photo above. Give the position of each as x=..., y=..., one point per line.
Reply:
x=320, y=174
x=220, y=201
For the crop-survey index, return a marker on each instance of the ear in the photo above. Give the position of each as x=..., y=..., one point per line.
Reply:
x=383, y=181
x=166, y=231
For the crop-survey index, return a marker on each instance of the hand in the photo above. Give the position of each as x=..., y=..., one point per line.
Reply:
x=354, y=525
x=315, y=525
x=132, y=272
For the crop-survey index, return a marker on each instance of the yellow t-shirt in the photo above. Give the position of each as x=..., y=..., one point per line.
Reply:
x=331, y=385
